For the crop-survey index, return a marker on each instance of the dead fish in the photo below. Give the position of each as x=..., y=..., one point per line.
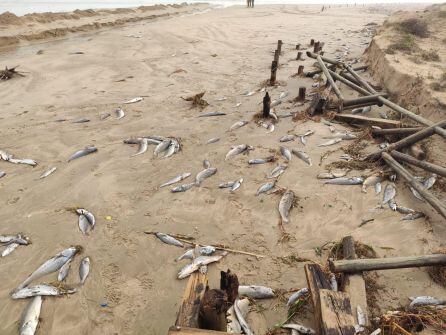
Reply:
x=299, y=328
x=2, y=174
x=265, y=188
x=63, y=272
x=84, y=270
x=191, y=253
x=206, y=173
x=47, y=172
x=331, y=142
x=143, y=145
x=26, y=161
x=273, y=115
x=275, y=103
x=243, y=324
x=425, y=300
x=238, y=149
x=303, y=156
x=212, y=140
x=104, y=116
x=42, y=290
x=237, y=184
x=383, y=145
x=4, y=155
x=187, y=270
x=81, y=120
x=89, y=216
x=389, y=193
x=296, y=296
x=277, y=171
x=414, y=216
x=345, y=181
x=342, y=136
x=346, y=157
x=9, y=249
x=256, y=292
x=361, y=316
x=429, y=182
x=119, y=113
x=248, y=93
x=333, y=282
x=211, y=114
x=161, y=147
x=404, y=210
x=286, y=153
x=19, y=239
x=84, y=152
x=268, y=126
x=303, y=137
x=285, y=204
x=332, y=175
x=238, y=124
x=173, y=148
x=226, y=184
x=378, y=188
x=238, y=104
x=283, y=95
x=30, y=317
x=52, y=265
x=84, y=225
x=176, y=179
x=169, y=240
x=221, y=99
x=383, y=115
x=362, y=110
x=233, y=326
x=261, y=160
x=392, y=204
x=287, y=138
x=182, y=188
x=206, y=164
x=316, y=85
x=416, y=194
x=132, y=101
x=370, y=181
x=187, y=255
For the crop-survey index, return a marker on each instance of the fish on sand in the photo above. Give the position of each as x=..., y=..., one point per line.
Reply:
x=286, y=153
x=41, y=289
x=84, y=270
x=30, y=316
x=330, y=142
x=237, y=150
x=345, y=181
x=83, y=152
x=47, y=172
x=169, y=240
x=132, y=101
x=302, y=155
x=256, y=292
x=176, y=179
x=285, y=205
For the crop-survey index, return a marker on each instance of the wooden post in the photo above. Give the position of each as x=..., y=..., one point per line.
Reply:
x=297, y=46
x=272, y=80
x=358, y=265
x=299, y=55
x=312, y=42
x=213, y=310
x=188, y=315
x=279, y=46
x=441, y=171
x=266, y=105
x=300, y=70
x=276, y=56
x=302, y=93
x=433, y=201
x=316, y=47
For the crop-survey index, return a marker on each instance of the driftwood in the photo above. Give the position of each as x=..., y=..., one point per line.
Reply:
x=188, y=315
x=371, y=121
x=7, y=74
x=359, y=265
x=432, y=200
x=421, y=164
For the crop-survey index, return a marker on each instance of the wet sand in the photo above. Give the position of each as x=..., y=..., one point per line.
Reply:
x=224, y=52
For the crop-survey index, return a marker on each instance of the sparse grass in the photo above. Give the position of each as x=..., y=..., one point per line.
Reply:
x=413, y=26
x=405, y=43
x=430, y=56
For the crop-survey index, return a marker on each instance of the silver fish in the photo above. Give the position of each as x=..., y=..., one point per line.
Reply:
x=169, y=240
x=81, y=120
x=132, y=101
x=299, y=328
x=429, y=182
x=333, y=282
x=176, y=179
x=104, y=116
x=287, y=138
x=383, y=145
x=303, y=137
x=256, y=292
x=414, y=216
x=404, y=210
x=346, y=157
x=426, y=300
x=207, y=250
x=345, y=181
x=370, y=181
x=233, y=326
x=303, y=156
x=383, y=115
x=143, y=145
x=249, y=93
x=4, y=155
x=226, y=184
x=285, y=204
x=190, y=254
x=211, y=114
x=261, y=160
x=187, y=270
x=212, y=140
x=283, y=95
x=378, y=188
x=206, y=164
x=19, y=239
x=2, y=174
x=9, y=249
x=170, y=150
x=63, y=272
x=416, y=194
x=238, y=149
x=221, y=99
x=243, y=324
x=52, y=265
x=238, y=124
x=296, y=296
x=84, y=225
x=47, y=172
x=286, y=153
x=237, y=184
x=332, y=175
x=30, y=316
x=84, y=152
x=162, y=146
x=275, y=103
x=392, y=204
x=277, y=171
x=84, y=270
x=273, y=115
x=331, y=142
x=361, y=316
x=90, y=217
x=42, y=290
x=26, y=161
x=238, y=104
x=206, y=173
x=182, y=188
x=265, y=188
x=389, y=193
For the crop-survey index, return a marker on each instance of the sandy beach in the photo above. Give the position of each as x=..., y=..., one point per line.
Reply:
x=83, y=73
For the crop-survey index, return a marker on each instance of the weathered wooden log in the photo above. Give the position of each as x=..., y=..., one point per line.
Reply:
x=432, y=200
x=272, y=80
x=325, y=59
x=175, y=330
x=365, y=264
x=349, y=83
x=229, y=284
x=266, y=105
x=371, y=121
x=302, y=93
x=336, y=313
x=408, y=141
x=441, y=171
x=358, y=101
x=188, y=315
x=396, y=131
x=329, y=78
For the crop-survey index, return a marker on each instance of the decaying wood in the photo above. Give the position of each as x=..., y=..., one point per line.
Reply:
x=365, y=264
x=441, y=171
x=229, y=284
x=188, y=315
x=213, y=308
x=371, y=121
x=432, y=200
x=7, y=74
x=316, y=281
x=319, y=101
x=353, y=284
x=336, y=313
x=174, y=330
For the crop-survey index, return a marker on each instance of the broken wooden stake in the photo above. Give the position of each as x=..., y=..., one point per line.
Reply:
x=299, y=55
x=316, y=47
x=302, y=93
x=272, y=80
x=297, y=46
x=279, y=46
x=188, y=315
x=441, y=171
x=372, y=264
x=300, y=70
x=276, y=56
x=312, y=42
x=266, y=105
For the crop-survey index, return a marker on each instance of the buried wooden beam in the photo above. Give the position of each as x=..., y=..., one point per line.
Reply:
x=408, y=141
x=401, y=171
x=350, y=118
x=353, y=284
x=372, y=264
x=441, y=171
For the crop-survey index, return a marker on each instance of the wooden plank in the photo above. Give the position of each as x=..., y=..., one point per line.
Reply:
x=396, y=131
x=336, y=313
x=175, y=330
x=365, y=264
x=190, y=305
x=353, y=284
x=382, y=123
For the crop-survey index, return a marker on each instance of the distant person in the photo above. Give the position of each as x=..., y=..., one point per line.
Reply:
x=250, y=3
